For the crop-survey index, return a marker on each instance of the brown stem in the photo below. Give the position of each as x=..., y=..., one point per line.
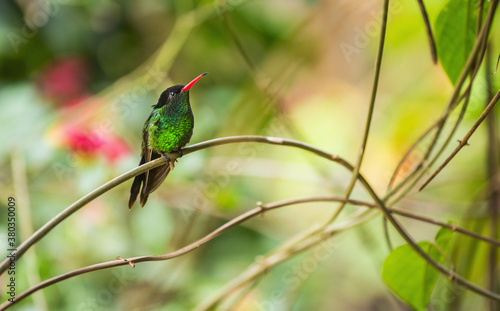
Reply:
x=465, y=140
x=369, y=115
x=396, y=211
x=134, y=260
x=430, y=36
x=472, y=64
x=252, y=213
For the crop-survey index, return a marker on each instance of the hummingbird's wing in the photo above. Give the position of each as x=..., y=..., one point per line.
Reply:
x=155, y=179
x=151, y=179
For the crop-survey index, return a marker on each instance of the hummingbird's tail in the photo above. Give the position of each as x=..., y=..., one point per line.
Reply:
x=134, y=191
x=150, y=181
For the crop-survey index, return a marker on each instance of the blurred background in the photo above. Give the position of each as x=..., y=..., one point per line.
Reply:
x=77, y=81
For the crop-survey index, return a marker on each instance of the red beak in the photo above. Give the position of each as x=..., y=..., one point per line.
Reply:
x=190, y=84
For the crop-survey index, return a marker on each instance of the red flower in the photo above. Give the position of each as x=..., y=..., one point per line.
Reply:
x=64, y=80
x=91, y=143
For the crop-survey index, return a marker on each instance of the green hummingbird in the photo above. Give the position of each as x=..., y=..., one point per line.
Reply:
x=168, y=129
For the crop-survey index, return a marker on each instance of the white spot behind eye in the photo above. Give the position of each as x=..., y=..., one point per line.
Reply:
x=171, y=93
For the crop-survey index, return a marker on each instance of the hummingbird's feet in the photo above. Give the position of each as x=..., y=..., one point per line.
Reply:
x=169, y=160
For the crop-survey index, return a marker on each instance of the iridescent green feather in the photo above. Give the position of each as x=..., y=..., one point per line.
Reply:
x=171, y=127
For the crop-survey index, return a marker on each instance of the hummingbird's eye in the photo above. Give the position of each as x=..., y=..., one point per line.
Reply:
x=171, y=93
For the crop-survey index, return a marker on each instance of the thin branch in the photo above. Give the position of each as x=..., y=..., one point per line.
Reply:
x=466, y=98
x=442, y=269
x=239, y=302
x=479, y=21
x=465, y=140
x=317, y=200
x=413, y=244
x=415, y=173
x=122, y=262
x=284, y=253
x=473, y=61
x=496, y=68
x=252, y=213
x=277, y=256
x=386, y=234
x=483, y=42
x=452, y=227
x=397, y=211
x=40, y=233
x=371, y=107
x=430, y=36
x=403, y=160
x=261, y=139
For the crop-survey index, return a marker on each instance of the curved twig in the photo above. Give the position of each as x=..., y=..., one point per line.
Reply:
x=413, y=244
x=243, y=217
x=430, y=36
x=472, y=64
x=464, y=141
x=404, y=159
x=371, y=108
x=40, y=233
x=397, y=211
x=483, y=42
x=134, y=260
x=279, y=255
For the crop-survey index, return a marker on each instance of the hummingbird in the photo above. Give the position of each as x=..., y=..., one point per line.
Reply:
x=168, y=129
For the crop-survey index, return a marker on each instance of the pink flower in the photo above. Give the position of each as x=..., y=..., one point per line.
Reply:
x=64, y=80
x=91, y=143
x=82, y=141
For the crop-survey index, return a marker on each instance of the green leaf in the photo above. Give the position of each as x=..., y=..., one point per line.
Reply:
x=409, y=276
x=455, y=34
x=443, y=239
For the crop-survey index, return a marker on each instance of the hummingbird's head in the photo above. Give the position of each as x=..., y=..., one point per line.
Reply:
x=176, y=93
